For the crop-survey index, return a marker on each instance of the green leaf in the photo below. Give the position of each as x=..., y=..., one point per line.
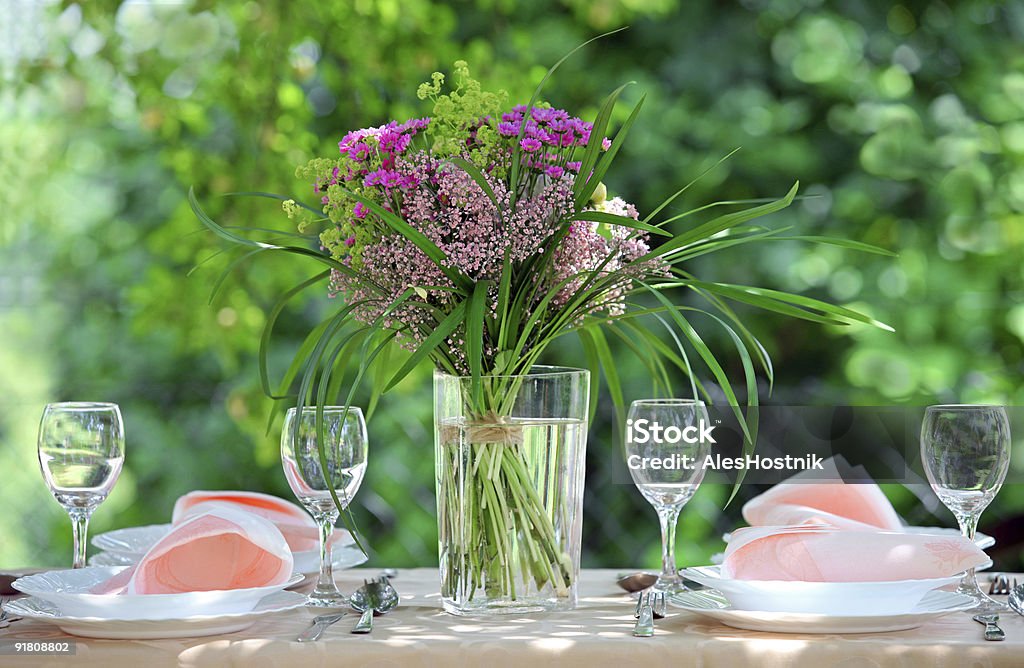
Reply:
x=719, y=224
x=594, y=364
x=775, y=300
x=621, y=221
x=611, y=374
x=475, y=335
x=514, y=175
x=658, y=209
x=268, y=328
x=587, y=191
x=436, y=337
x=597, y=135
x=842, y=243
x=417, y=238
x=705, y=353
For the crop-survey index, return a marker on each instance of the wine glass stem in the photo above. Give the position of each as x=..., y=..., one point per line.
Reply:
x=325, y=582
x=80, y=532
x=968, y=527
x=668, y=517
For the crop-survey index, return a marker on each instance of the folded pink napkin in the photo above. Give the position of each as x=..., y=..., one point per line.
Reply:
x=858, y=506
x=295, y=524
x=223, y=548
x=817, y=554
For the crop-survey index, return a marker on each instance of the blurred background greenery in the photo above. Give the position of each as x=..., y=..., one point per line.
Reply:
x=905, y=120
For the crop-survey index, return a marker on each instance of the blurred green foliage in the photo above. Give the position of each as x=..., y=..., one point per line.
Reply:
x=904, y=121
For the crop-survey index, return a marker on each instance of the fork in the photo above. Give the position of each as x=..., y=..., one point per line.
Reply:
x=644, y=627
x=999, y=586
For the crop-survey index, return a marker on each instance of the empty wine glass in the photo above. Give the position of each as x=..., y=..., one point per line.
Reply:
x=965, y=451
x=344, y=460
x=665, y=449
x=81, y=452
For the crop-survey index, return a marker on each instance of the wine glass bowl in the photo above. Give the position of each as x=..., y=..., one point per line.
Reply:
x=318, y=474
x=665, y=449
x=965, y=452
x=81, y=452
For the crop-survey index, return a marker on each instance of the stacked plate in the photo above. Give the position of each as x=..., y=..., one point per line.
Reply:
x=64, y=598
x=126, y=546
x=819, y=607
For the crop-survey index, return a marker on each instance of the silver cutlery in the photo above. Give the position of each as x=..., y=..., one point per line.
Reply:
x=318, y=627
x=376, y=597
x=999, y=586
x=5, y=618
x=658, y=605
x=644, y=627
x=1016, y=599
x=634, y=582
x=992, y=630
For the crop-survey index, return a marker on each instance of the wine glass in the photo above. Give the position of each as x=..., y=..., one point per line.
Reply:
x=965, y=451
x=343, y=459
x=660, y=432
x=81, y=452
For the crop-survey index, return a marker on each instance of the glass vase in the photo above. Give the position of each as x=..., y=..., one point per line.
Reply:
x=509, y=455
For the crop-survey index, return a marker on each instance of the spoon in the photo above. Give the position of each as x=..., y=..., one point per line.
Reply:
x=635, y=582
x=375, y=597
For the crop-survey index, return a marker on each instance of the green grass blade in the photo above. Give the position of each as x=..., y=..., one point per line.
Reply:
x=597, y=135
x=475, y=336
x=516, y=151
x=721, y=223
x=661, y=207
x=606, y=160
x=621, y=221
x=436, y=337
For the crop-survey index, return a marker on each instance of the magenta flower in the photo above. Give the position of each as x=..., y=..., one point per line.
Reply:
x=530, y=144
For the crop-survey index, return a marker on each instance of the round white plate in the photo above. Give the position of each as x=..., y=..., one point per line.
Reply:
x=69, y=591
x=140, y=629
x=982, y=540
x=712, y=604
x=129, y=544
x=858, y=598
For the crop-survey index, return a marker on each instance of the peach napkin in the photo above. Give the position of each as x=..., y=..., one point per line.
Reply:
x=820, y=554
x=223, y=548
x=295, y=524
x=858, y=506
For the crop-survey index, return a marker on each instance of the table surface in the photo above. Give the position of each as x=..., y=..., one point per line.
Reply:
x=597, y=633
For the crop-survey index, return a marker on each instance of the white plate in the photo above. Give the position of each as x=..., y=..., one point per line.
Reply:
x=982, y=540
x=711, y=603
x=129, y=544
x=342, y=556
x=136, y=629
x=830, y=598
x=69, y=592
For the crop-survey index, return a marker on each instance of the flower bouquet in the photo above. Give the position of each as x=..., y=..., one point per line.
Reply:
x=474, y=238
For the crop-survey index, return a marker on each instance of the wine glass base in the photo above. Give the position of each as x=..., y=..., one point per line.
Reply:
x=327, y=600
x=670, y=585
x=986, y=605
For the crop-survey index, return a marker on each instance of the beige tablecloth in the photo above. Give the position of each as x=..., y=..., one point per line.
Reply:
x=598, y=633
